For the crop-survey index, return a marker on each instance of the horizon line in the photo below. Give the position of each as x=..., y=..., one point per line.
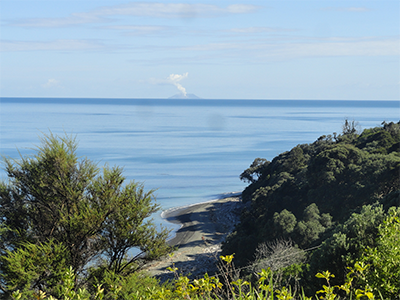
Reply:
x=191, y=99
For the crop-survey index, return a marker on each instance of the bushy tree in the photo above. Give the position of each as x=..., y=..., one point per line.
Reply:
x=56, y=196
x=284, y=222
x=305, y=231
x=312, y=225
x=347, y=243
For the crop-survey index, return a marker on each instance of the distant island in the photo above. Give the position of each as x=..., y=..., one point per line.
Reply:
x=182, y=96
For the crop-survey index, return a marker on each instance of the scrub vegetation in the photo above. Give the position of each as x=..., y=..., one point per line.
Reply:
x=60, y=213
x=321, y=220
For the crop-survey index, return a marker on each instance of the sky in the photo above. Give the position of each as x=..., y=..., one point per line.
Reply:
x=280, y=49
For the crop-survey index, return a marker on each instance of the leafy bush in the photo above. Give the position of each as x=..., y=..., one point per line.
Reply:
x=383, y=259
x=58, y=210
x=346, y=244
x=209, y=288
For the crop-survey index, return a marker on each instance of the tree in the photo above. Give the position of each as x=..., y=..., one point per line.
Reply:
x=384, y=259
x=339, y=175
x=255, y=170
x=285, y=222
x=56, y=196
x=350, y=127
x=346, y=243
x=282, y=257
x=312, y=226
x=126, y=227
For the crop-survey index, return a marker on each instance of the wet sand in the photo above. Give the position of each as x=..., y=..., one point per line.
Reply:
x=204, y=227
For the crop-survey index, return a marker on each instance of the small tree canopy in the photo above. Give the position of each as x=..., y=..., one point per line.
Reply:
x=255, y=170
x=56, y=196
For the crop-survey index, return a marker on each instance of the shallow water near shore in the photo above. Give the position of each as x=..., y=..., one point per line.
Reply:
x=190, y=151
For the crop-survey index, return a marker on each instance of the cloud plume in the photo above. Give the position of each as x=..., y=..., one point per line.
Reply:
x=175, y=78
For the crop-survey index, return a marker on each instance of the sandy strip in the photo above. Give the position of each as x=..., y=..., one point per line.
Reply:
x=204, y=227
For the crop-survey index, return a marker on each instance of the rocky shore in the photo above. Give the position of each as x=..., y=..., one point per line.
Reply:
x=204, y=227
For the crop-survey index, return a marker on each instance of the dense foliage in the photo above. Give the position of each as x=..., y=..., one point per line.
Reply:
x=334, y=205
x=337, y=189
x=58, y=211
x=138, y=287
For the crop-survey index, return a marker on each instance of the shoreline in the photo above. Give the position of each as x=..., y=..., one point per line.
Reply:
x=194, y=218
x=170, y=211
x=176, y=215
x=204, y=226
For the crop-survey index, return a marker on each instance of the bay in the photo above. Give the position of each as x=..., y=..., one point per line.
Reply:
x=189, y=150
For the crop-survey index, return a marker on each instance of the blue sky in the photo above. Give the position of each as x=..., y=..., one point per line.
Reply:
x=215, y=49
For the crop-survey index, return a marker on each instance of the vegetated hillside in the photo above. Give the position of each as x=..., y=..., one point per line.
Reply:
x=303, y=195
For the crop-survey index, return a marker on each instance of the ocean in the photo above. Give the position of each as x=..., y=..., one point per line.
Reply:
x=190, y=151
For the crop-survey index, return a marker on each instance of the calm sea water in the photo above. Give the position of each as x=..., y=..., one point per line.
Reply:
x=189, y=150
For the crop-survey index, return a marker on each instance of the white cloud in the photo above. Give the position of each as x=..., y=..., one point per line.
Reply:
x=346, y=9
x=259, y=51
x=51, y=83
x=174, y=10
x=216, y=47
x=249, y=30
x=57, y=45
x=357, y=47
x=242, y=8
x=72, y=20
x=139, y=30
x=177, y=77
x=152, y=9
